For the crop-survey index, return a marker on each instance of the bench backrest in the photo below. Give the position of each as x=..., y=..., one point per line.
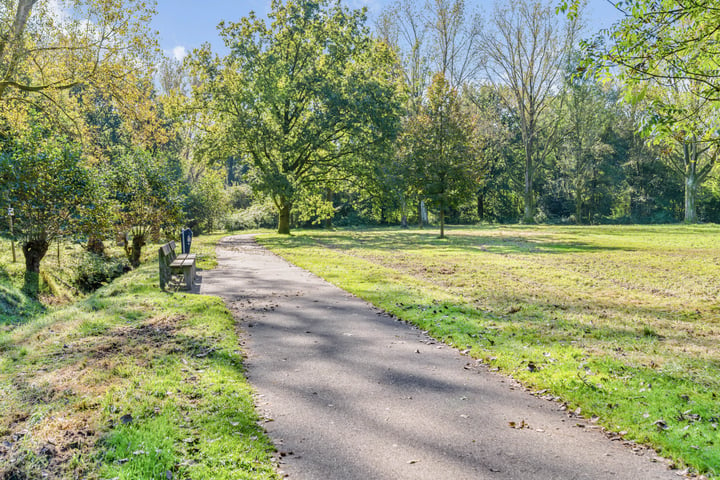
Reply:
x=166, y=255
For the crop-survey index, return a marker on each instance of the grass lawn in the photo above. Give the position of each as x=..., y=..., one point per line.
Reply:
x=128, y=383
x=622, y=322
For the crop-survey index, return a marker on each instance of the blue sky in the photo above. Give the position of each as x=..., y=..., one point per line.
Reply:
x=186, y=24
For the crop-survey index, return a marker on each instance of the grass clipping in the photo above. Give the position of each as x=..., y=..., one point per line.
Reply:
x=129, y=383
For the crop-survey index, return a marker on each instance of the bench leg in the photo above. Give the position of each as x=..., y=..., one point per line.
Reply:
x=189, y=276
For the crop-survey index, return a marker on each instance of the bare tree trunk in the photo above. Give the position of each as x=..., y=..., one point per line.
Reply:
x=138, y=242
x=481, y=205
x=442, y=217
x=529, y=207
x=691, y=185
x=95, y=245
x=329, y=198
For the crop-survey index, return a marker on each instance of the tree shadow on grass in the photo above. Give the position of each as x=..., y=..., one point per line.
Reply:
x=16, y=305
x=458, y=241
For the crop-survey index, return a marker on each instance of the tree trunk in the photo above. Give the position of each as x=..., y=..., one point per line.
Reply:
x=690, y=197
x=34, y=250
x=442, y=218
x=529, y=208
x=95, y=245
x=691, y=183
x=420, y=214
x=578, y=206
x=329, y=198
x=481, y=205
x=284, y=219
x=138, y=242
x=403, y=215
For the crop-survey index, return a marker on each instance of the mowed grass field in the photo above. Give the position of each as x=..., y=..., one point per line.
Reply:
x=621, y=322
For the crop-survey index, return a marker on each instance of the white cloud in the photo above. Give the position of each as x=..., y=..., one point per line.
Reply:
x=179, y=52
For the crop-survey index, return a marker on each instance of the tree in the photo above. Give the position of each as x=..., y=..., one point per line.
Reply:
x=47, y=47
x=437, y=141
x=302, y=98
x=44, y=180
x=660, y=43
x=689, y=144
x=145, y=188
x=527, y=50
x=581, y=155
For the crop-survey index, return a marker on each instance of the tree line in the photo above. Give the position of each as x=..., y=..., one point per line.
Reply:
x=316, y=116
x=510, y=116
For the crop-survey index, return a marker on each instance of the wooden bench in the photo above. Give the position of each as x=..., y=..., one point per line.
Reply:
x=172, y=263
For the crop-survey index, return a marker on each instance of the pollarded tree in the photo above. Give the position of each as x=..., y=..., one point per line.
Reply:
x=45, y=182
x=436, y=142
x=145, y=188
x=301, y=98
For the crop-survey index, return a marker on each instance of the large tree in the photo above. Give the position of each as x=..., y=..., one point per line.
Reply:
x=527, y=48
x=47, y=47
x=302, y=97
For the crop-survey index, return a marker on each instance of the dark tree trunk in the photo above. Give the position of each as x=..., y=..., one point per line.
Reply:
x=284, y=219
x=95, y=245
x=442, y=218
x=330, y=198
x=481, y=205
x=138, y=242
x=34, y=250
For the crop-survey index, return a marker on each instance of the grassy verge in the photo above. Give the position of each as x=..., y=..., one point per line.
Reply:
x=621, y=322
x=129, y=382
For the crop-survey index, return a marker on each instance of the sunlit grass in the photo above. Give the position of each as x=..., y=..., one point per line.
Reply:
x=130, y=382
x=623, y=322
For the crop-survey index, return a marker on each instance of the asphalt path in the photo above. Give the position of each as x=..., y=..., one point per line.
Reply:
x=349, y=393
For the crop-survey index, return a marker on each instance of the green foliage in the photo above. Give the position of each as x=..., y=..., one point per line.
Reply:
x=206, y=204
x=44, y=180
x=304, y=98
x=257, y=215
x=94, y=271
x=436, y=148
x=146, y=189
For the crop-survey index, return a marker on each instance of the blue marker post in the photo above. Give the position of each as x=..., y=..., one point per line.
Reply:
x=185, y=239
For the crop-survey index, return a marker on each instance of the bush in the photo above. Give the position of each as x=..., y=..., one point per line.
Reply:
x=206, y=203
x=240, y=196
x=259, y=215
x=94, y=271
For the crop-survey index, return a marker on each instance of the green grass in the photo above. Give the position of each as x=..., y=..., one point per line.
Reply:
x=130, y=382
x=622, y=322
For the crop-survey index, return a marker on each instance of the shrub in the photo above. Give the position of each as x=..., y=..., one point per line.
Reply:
x=94, y=271
x=258, y=215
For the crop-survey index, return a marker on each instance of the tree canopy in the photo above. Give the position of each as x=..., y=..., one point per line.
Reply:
x=301, y=97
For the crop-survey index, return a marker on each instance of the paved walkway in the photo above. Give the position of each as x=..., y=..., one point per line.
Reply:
x=355, y=394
